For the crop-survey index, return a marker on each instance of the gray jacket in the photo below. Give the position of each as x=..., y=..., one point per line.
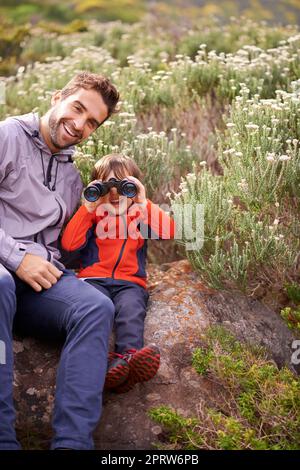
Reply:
x=39, y=191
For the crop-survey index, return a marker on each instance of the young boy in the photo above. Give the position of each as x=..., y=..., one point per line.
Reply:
x=111, y=233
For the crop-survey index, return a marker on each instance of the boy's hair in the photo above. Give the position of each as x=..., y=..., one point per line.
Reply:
x=93, y=81
x=120, y=164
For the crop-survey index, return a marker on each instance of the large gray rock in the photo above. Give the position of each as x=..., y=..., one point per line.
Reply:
x=180, y=309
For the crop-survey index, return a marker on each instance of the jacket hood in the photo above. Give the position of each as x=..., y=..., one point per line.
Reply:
x=30, y=123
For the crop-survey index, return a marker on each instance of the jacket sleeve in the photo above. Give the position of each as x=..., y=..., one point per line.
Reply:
x=11, y=252
x=75, y=234
x=161, y=225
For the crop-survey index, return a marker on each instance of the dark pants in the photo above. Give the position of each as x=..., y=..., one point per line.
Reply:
x=130, y=301
x=84, y=317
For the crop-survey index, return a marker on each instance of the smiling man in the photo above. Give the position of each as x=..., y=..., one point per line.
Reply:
x=39, y=190
x=77, y=115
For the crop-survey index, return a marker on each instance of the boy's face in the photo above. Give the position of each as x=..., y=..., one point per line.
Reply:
x=114, y=202
x=74, y=118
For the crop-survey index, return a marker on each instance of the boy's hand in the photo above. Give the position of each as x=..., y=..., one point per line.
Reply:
x=140, y=198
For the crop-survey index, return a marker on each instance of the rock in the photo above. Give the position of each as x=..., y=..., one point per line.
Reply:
x=180, y=309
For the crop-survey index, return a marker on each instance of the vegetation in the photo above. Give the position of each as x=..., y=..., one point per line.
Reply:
x=250, y=91
x=258, y=406
x=210, y=112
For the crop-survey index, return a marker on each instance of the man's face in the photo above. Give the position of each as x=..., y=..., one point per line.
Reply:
x=74, y=118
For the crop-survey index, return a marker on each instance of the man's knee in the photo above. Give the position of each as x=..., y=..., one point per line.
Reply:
x=96, y=308
x=105, y=305
x=7, y=283
x=7, y=293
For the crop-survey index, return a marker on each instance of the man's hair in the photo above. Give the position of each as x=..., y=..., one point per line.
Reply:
x=93, y=81
x=120, y=164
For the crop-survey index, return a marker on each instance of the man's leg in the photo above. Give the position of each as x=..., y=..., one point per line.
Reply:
x=85, y=316
x=7, y=311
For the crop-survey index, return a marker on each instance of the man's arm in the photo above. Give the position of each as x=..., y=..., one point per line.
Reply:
x=11, y=252
x=32, y=269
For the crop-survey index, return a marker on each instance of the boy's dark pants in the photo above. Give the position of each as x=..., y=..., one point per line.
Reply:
x=130, y=301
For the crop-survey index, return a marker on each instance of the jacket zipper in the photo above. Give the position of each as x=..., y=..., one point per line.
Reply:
x=120, y=254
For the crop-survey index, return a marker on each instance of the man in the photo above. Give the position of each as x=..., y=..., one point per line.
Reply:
x=39, y=190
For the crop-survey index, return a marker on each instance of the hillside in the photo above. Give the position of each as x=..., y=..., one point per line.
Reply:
x=210, y=111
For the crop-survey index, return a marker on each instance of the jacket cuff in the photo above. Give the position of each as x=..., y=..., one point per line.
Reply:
x=15, y=257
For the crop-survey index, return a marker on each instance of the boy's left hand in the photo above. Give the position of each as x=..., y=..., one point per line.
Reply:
x=140, y=198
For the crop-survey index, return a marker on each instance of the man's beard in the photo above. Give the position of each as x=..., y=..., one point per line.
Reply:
x=54, y=124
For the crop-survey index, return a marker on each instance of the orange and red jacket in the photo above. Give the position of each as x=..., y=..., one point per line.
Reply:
x=122, y=256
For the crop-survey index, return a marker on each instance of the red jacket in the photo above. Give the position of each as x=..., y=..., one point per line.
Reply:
x=122, y=255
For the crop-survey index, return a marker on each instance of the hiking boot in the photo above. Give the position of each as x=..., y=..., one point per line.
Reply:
x=118, y=371
x=143, y=365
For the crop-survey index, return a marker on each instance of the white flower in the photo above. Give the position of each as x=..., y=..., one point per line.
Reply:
x=251, y=126
x=230, y=124
x=284, y=158
x=270, y=157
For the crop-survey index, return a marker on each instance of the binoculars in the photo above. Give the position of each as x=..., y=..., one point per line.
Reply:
x=100, y=188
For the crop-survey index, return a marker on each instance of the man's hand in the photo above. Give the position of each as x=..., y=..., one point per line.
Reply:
x=37, y=272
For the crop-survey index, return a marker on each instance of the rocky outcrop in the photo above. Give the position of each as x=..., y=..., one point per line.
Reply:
x=180, y=309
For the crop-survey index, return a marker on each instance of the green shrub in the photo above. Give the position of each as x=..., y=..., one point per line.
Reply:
x=293, y=292
x=292, y=318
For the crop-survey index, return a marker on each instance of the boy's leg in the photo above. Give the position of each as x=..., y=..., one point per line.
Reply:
x=118, y=368
x=7, y=311
x=85, y=316
x=132, y=363
x=130, y=302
